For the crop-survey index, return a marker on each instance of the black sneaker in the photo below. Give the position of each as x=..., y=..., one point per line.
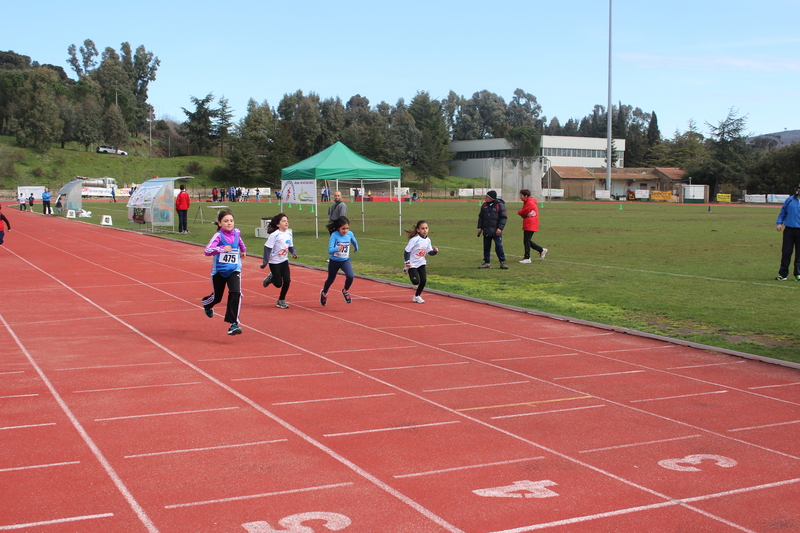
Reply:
x=209, y=312
x=346, y=296
x=780, y=278
x=323, y=299
x=267, y=280
x=235, y=329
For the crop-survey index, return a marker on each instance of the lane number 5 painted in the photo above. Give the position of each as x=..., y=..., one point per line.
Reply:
x=294, y=523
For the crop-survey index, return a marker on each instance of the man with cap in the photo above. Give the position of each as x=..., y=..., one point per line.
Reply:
x=491, y=221
x=789, y=222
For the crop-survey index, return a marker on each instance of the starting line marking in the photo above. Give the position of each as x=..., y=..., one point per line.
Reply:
x=38, y=466
x=534, y=357
x=111, y=366
x=418, y=366
x=248, y=357
x=523, y=403
x=391, y=429
x=139, y=387
x=221, y=447
x=165, y=414
x=603, y=375
x=289, y=376
x=336, y=399
x=56, y=521
x=429, y=472
x=478, y=386
x=29, y=426
x=676, y=397
x=639, y=444
x=263, y=495
x=17, y=396
x=709, y=364
x=477, y=342
x=772, y=386
x=767, y=425
x=547, y=412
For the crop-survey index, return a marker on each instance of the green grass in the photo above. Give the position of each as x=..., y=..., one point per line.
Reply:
x=674, y=270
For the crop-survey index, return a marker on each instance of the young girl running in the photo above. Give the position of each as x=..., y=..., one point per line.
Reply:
x=276, y=255
x=342, y=239
x=227, y=249
x=419, y=245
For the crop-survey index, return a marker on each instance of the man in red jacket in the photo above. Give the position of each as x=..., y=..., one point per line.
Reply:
x=182, y=207
x=530, y=224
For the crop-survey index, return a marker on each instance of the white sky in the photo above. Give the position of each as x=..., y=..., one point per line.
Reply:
x=685, y=60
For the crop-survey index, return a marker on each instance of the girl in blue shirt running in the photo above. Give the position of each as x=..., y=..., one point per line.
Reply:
x=226, y=248
x=341, y=243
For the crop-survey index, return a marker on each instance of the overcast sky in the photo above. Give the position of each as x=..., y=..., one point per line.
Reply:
x=685, y=60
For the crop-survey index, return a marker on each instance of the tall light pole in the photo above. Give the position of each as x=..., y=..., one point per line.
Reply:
x=608, y=111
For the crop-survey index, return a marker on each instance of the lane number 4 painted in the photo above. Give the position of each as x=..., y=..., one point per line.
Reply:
x=520, y=489
x=294, y=523
x=678, y=464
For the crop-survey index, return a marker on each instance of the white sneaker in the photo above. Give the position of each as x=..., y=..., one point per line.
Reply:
x=525, y=261
x=418, y=300
x=543, y=253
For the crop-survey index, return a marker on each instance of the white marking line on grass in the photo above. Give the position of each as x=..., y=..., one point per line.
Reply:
x=164, y=414
x=18, y=396
x=639, y=349
x=547, y=412
x=768, y=425
x=38, y=466
x=680, y=396
x=639, y=444
x=56, y=521
x=262, y=495
x=477, y=342
x=30, y=426
x=429, y=472
x=248, y=357
x=477, y=386
x=379, y=430
x=290, y=376
x=221, y=447
x=372, y=349
x=14, y=372
x=602, y=375
x=709, y=364
x=773, y=386
x=418, y=366
x=534, y=357
x=139, y=387
x=111, y=366
x=335, y=399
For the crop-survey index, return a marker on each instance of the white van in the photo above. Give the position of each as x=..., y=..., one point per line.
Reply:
x=106, y=149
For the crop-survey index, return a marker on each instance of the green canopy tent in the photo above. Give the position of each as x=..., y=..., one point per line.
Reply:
x=337, y=163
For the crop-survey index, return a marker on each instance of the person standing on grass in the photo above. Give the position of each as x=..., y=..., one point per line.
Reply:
x=227, y=250
x=3, y=223
x=530, y=224
x=789, y=223
x=46, y=209
x=22, y=205
x=419, y=245
x=491, y=221
x=182, y=202
x=337, y=210
x=113, y=195
x=339, y=245
x=276, y=255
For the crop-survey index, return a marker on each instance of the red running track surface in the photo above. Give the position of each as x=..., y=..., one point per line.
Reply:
x=125, y=409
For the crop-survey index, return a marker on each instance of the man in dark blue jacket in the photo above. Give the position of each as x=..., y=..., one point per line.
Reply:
x=491, y=221
x=789, y=222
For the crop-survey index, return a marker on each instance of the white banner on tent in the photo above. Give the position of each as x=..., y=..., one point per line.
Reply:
x=144, y=195
x=299, y=192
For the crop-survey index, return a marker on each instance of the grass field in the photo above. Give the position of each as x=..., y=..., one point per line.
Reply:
x=676, y=270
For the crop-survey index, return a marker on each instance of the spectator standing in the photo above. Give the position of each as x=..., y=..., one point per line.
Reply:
x=46, y=209
x=789, y=222
x=113, y=195
x=31, y=201
x=182, y=202
x=22, y=205
x=491, y=221
x=214, y=193
x=258, y=194
x=530, y=224
x=337, y=210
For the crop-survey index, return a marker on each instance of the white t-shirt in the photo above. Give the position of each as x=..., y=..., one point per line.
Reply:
x=280, y=242
x=418, y=247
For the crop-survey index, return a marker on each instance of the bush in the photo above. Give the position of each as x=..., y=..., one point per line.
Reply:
x=38, y=172
x=193, y=168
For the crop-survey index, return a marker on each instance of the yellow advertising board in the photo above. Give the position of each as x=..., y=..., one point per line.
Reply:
x=724, y=198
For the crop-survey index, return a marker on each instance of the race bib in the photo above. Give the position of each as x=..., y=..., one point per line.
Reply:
x=343, y=250
x=229, y=258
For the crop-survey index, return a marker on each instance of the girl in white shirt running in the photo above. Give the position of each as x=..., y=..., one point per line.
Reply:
x=276, y=254
x=419, y=246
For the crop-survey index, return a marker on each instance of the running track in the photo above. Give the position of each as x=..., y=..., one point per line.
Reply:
x=124, y=409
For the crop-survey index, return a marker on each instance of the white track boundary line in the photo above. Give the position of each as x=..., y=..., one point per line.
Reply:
x=56, y=521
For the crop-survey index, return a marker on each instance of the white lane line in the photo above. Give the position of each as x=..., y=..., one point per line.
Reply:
x=499, y=463
x=14, y=372
x=639, y=444
x=477, y=386
x=221, y=447
x=30, y=426
x=290, y=376
x=534, y=357
x=639, y=349
x=773, y=386
x=709, y=364
x=579, y=336
x=391, y=429
x=110, y=366
x=418, y=366
x=372, y=349
x=164, y=414
x=18, y=396
x=56, y=521
x=248, y=357
x=477, y=342
x=335, y=399
x=139, y=387
x=547, y=412
x=603, y=375
x=262, y=495
x=680, y=396
x=768, y=425
x=38, y=466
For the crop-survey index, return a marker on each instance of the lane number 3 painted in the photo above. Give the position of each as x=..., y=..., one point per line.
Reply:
x=678, y=464
x=294, y=523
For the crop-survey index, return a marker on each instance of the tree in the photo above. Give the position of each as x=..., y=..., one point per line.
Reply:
x=115, y=131
x=223, y=123
x=729, y=155
x=83, y=66
x=523, y=111
x=434, y=153
x=199, y=126
x=39, y=123
x=525, y=140
x=89, y=122
x=404, y=137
